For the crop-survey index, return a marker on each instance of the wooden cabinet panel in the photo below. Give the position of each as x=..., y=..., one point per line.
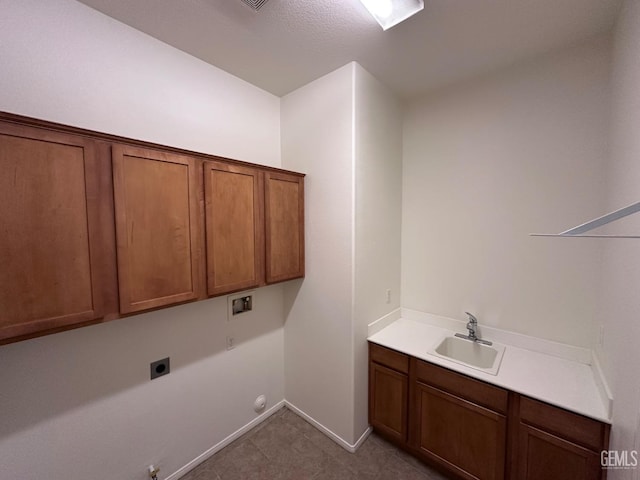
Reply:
x=94, y=226
x=234, y=227
x=576, y=428
x=157, y=228
x=284, y=226
x=544, y=456
x=460, y=435
x=389, y=358
x=388, y=392
x=474, y=390
x=50, y=244
x=555, y=443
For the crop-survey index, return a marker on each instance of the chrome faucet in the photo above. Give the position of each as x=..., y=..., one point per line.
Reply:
x=472, y=324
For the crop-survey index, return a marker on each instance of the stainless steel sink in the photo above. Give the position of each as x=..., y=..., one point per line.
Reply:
x=472, y=354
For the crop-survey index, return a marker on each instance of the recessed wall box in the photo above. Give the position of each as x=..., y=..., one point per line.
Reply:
x=242, y=304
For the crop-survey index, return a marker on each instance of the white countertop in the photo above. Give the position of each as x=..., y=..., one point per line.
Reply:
x=561, y=382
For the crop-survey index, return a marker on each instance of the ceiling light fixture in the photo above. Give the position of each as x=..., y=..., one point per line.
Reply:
x=255, y=4
x=391, y=12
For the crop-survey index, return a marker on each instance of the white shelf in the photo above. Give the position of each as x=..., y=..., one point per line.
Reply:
x=578, y=232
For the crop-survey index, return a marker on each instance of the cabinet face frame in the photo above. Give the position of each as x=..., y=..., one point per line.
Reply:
x=124, y=254
x=281, y=247
x=214, y=213
x=92, y=195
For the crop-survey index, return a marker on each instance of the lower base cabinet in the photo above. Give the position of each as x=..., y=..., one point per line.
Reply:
x=389, y=401
x=470, y=429
x=388, y=390
x=544, y=456
x=555, y=443
x=466, y=437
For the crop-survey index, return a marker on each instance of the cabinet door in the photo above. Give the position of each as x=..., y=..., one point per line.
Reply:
x=543, y=456
x=462, y=436
x=284, y=226
x=157, y=228
x=388, y=391
x=555, y=443
x=49, y=233
x=234, y=226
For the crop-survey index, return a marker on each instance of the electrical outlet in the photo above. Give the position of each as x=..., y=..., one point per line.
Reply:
x=160, y=368
x=230, y=343
x=388, y=296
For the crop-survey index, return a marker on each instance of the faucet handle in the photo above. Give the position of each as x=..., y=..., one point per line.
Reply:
x=472, y=318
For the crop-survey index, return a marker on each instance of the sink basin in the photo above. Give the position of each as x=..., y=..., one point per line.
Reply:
x=472, y=354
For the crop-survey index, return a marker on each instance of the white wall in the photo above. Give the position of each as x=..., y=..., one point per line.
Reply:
x=619, y=353
x=65, y=62
x=80, y=404
x=487, y=162
x=317, y=139
x=345, y=131
x=378, y=206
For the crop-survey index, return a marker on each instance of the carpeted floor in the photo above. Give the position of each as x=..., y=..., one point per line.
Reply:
x=286, y=447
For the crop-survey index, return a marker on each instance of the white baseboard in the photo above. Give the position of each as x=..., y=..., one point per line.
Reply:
x=223, y=443
x=333, y=436
x=258, y=420
x=361, y=440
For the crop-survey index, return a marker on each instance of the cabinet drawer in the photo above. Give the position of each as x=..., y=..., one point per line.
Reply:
x=571, y=426
x=476, y=391
x=389, y=358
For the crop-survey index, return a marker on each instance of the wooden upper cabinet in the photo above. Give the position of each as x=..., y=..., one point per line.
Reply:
x=158, y=231
x=94, y=227
x=234, y=227
x=284, y=226
x=50, y=242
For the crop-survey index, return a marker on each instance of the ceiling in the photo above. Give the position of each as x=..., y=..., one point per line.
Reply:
x=289, y=43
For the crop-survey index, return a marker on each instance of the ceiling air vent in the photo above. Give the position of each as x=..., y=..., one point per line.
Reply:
x=255, y=4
